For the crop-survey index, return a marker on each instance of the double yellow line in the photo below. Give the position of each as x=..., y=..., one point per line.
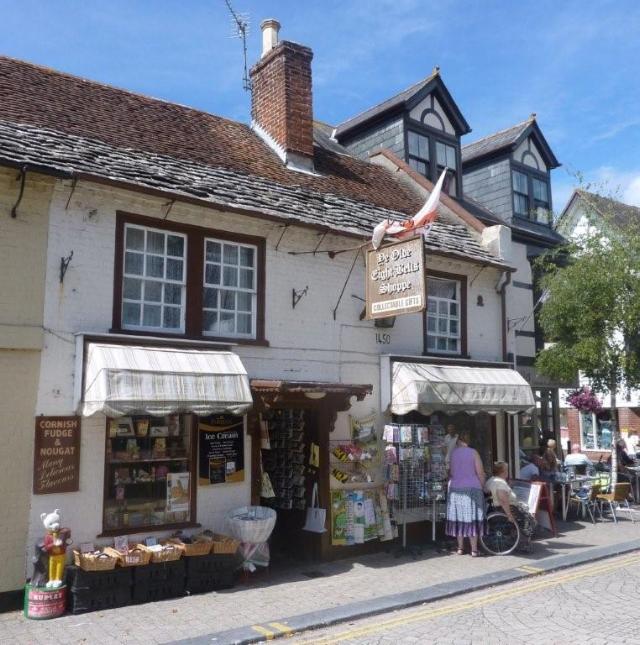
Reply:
x=430, y=614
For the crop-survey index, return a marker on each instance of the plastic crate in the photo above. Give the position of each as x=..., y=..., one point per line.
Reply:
x=83, y=600
x=162, y=591
x=203, y=583
x=212, y=572
x=160, y=573
x=212, y=563
x=98, y=580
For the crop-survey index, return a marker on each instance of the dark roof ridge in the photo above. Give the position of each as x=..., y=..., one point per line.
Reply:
x=389, y=100
x=497, y=132
x=117, y=88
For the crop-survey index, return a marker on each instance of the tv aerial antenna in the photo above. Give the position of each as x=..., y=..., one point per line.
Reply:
x=240, y=26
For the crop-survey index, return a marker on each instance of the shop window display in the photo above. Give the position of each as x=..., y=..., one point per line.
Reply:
x=148, y=472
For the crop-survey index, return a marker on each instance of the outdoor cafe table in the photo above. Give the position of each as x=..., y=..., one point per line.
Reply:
x=566, y=486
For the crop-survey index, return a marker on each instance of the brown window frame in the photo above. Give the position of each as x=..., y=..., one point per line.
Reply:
x=194, y=260
x=462, y=279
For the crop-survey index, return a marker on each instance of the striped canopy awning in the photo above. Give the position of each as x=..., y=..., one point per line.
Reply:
x=428, y=388
x=123, y=379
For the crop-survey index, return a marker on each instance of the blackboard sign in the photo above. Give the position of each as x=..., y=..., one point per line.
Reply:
x=220, y=449
x=56, y=458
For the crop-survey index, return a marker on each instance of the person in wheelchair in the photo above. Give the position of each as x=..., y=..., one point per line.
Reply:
x=503, y=498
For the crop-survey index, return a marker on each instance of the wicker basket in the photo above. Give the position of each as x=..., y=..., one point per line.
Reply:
x=136, y=556
x=169, y=553
x=224, y=544
x=94, y=561
x=192, y=549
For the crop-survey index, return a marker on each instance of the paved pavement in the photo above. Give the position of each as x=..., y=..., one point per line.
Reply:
x=591, y=604
x=276, y=595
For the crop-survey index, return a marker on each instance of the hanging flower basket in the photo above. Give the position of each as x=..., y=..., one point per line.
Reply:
x=584, y=400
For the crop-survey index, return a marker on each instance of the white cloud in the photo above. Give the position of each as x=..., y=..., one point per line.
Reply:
x=632, y=191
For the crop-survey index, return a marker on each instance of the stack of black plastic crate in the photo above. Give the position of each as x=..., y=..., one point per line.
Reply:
x=159, y=581
x=96, y=590
x=211, y=572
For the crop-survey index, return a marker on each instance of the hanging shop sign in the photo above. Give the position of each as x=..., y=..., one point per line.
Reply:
x=395, y=279
x=221, y=449
x=56, y=461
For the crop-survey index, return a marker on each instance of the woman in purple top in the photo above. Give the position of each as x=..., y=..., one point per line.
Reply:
x=465, y=501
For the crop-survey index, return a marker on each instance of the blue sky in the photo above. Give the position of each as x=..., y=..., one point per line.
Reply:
x=574, y=63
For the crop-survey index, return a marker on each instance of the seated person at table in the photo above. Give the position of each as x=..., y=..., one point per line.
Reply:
x=505, y=499
x=623, y=461
x=528, y=470
x=549, y=465
x=577, y=458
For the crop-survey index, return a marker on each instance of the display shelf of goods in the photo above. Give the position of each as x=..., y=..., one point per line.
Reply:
x=95, y=561
x=142, y=453
x=285, y=459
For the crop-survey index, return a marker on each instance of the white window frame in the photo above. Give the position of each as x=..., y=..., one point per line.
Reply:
x=449, y=336
x=594, y=432
x=164, y=280
x=238, y=289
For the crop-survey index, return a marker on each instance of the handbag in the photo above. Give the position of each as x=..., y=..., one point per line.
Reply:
x=316, y=516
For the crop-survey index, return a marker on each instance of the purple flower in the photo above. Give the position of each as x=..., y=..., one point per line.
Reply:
x=585, y=400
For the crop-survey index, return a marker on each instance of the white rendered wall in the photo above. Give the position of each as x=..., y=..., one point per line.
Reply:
x=306, y=343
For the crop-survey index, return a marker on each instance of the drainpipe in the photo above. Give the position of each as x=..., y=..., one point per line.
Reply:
x=503, y=303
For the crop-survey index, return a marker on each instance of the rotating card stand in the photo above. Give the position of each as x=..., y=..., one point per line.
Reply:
x=416, y=476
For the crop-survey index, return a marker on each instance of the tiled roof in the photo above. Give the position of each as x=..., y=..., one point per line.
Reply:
x=388, y=104
x=44, y=97
x=510, y=138
x=494, y=142
x=608, y=208
x=97, y=136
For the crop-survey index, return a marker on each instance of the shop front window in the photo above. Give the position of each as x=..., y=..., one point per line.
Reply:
x=148, y=475
x=596, y=433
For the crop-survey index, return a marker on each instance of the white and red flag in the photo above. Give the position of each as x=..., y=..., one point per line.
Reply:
x=419, y=222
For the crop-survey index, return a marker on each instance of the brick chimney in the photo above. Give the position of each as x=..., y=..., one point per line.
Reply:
x=281, y=106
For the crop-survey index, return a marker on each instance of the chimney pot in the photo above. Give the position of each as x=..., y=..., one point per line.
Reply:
x=270, y=28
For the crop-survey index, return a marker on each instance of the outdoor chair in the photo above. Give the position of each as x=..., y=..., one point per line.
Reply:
x=585, y=500
x=616, y=499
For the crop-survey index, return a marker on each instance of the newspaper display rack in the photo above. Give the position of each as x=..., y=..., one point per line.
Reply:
x=415, y=473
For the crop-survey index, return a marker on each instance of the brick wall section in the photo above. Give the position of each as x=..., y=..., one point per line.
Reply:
x=629, y=419
x=281, y=99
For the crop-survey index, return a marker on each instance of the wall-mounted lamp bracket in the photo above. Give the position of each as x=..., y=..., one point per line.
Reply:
x=22, y=177
x=64, y=265
x=296, y=296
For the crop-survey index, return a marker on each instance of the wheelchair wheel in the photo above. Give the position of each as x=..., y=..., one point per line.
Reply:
x=502, y=535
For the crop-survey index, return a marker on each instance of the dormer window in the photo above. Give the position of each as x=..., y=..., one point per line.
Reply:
x=422, y=148
x=446, y=158
x=520, y=194
x=540, y=194
x=419, y=153
x=530, y=196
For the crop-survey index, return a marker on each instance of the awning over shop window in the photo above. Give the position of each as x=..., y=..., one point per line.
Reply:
x=122, y=379
x=428, y=388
